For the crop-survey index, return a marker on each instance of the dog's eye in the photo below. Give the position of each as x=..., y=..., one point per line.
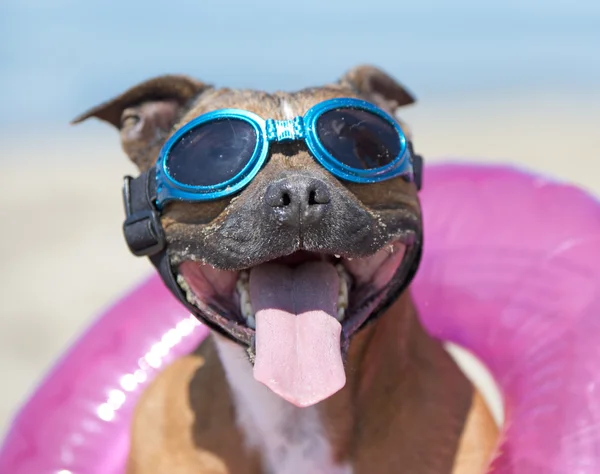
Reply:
x=212, y=153
x=358, y=138
x=129, y=119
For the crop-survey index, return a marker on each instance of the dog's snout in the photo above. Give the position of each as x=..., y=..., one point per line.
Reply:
x=298, y=200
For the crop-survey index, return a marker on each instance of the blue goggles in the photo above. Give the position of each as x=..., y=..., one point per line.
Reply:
x=220, y=152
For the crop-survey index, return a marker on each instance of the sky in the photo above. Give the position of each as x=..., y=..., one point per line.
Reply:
x=59, y=57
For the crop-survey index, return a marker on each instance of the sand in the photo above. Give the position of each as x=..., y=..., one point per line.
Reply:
x=64, y=259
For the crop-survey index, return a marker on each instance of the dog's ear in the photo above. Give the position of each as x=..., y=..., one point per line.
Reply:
x=146, y=113
x=378, y=87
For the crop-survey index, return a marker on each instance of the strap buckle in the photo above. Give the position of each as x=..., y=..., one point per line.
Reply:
x=142, y=229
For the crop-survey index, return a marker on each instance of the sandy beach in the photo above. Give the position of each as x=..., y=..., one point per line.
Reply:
x=64, y=259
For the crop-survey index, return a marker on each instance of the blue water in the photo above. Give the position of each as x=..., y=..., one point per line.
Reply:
x=58, y=57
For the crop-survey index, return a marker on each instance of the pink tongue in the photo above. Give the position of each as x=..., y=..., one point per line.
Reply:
x=298, y=353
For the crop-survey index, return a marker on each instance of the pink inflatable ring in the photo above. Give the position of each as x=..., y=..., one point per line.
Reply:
x=511, y=272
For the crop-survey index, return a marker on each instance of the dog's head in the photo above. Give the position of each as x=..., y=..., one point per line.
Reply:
x=297, y=261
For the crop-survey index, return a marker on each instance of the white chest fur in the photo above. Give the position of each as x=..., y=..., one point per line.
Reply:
x=291, y=440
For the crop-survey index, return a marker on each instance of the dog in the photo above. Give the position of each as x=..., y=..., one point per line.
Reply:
x=347, y=381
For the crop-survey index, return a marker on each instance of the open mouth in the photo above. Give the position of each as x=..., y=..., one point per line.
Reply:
x=296, y=312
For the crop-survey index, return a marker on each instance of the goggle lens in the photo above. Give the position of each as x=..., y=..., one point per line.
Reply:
x=357, y=138
x=212, y=153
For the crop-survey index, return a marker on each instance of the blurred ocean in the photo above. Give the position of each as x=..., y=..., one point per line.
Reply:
x=59, y=57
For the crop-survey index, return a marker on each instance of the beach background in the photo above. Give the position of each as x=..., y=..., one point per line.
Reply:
x=516, y=81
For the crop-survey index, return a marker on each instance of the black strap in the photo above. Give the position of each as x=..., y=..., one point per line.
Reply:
x=417, y=164
x=142, y=229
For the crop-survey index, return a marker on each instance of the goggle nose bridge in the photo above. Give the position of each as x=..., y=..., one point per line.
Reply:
x=285, y=130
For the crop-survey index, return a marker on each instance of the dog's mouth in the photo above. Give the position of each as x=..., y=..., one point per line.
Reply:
x=296, y=312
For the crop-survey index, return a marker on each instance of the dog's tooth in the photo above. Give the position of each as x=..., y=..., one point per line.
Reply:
x=245, y=304
x=189, y=294
x=247, y=310
x=244, y=276
x=342, y=299
x=251, y=322
x=342, y=302
x=344, y=279
x=336, y=256
x=243, y=283
x=343, y=292
x=343, y=274
x=243, y=299
x=243, y=288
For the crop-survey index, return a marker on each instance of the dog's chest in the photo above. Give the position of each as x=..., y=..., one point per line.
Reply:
x=291, y=440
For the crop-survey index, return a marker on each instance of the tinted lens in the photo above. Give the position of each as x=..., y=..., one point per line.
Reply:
x=212, y=153
x=358, y=138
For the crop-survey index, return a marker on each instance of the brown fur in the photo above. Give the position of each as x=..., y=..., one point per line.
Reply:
x=406, y=406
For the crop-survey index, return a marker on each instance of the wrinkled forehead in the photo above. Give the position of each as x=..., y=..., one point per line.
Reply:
x=278, y=105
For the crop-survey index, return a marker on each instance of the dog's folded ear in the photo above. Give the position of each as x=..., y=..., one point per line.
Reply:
x=378, y=87
x=145, y=114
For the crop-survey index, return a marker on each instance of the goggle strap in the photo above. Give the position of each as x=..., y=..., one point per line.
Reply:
x=417, y=165
x=142, y=228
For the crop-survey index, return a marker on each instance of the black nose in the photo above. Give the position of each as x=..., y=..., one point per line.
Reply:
x=298, y=200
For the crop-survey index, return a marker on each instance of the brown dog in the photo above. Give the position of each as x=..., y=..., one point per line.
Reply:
x=390, y=398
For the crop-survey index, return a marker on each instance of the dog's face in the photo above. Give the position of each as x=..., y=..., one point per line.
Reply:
x=298, y=260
